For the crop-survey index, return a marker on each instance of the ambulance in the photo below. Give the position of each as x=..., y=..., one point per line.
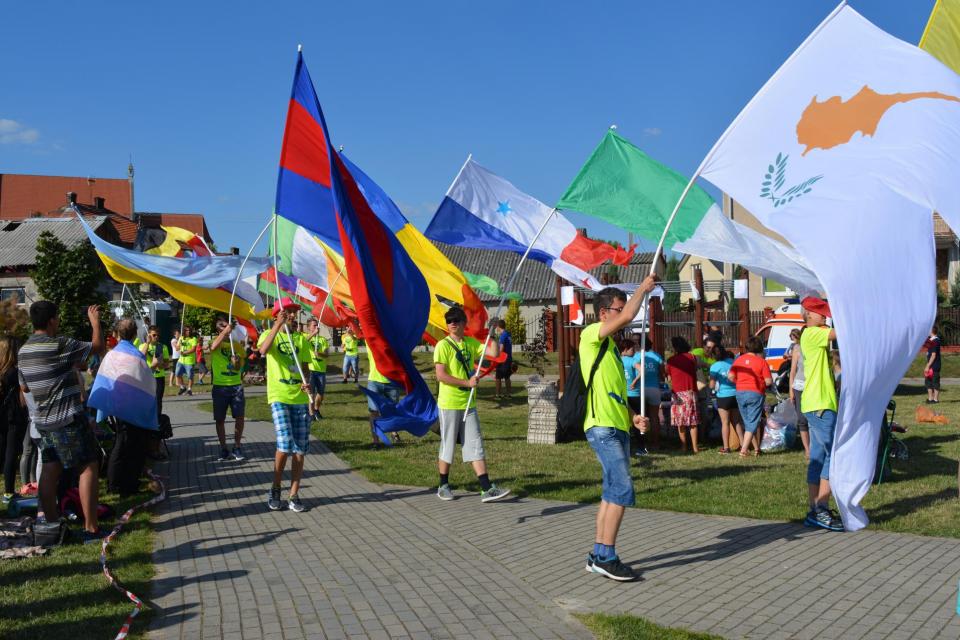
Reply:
x=775, y=333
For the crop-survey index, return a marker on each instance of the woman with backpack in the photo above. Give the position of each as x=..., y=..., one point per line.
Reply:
x=13, y=417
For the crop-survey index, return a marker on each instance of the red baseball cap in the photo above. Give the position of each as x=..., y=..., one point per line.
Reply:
x=285, y=304
x=816, y=305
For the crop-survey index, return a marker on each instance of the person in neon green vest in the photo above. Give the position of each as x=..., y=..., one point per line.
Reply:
x=386, y=387
x=319, y=345
x=188, y=360
x=351, y=356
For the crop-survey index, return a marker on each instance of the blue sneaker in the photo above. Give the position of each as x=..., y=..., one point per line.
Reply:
x=823, y=518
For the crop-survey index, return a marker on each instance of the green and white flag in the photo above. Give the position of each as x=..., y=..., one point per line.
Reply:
x=622, y=185
x=489, y=286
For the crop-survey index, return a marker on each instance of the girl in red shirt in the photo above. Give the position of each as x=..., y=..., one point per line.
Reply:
x=751, y=373
x=682, y=373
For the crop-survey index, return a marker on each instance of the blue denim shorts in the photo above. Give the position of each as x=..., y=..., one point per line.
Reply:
x=184, y=370
x=318, y=382
x=612, y=447
x=351, y=363
x=389, y=391
x=751, y=409
x=821, y=444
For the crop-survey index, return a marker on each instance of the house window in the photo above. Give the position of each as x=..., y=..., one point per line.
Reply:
x=15, y=293
x=773, y=288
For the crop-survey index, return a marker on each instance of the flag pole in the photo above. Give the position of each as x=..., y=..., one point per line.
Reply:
x=503, y=295
x=462, y=167
x=236, y=282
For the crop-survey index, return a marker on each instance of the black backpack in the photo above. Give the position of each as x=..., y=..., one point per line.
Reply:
x=572, y=409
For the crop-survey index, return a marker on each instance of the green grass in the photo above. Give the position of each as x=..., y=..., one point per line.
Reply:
x=623, y=627
x=65, y=595
x=920, y=498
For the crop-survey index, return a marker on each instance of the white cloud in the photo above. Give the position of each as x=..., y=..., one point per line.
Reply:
x=13, y=132
x=652, y=132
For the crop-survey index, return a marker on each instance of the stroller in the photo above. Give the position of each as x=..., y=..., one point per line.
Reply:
x=890, y=448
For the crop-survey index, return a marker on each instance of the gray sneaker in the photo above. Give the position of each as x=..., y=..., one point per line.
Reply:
x=294, y=504
x=444, y=492
x=273, y=500
x=493, y=494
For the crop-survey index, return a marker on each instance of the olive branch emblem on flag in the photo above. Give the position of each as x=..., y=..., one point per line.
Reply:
x=773, y=181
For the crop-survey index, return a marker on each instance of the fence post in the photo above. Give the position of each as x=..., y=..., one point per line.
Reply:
x=698, y=306
x=743, y=305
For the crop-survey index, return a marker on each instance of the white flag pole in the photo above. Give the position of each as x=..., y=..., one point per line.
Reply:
x=236, y=282
x=503, y=295
x=703, y=164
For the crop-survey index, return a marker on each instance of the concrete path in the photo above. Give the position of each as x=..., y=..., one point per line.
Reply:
x=368, y=561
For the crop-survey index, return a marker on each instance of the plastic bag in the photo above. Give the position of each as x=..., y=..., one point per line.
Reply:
x=925, y=414
x=781, y=429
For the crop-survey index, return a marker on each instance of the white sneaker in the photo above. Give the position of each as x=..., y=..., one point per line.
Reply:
x=493, y=494
x=444, y=492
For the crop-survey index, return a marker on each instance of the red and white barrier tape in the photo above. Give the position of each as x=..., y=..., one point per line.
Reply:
x=137, y=602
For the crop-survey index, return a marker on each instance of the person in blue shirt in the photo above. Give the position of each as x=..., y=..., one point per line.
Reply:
x=653, y=362
x=631, y=370
x=505, y=368
x=726, y=397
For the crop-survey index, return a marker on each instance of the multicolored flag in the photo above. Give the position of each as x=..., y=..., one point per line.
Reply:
x=941, y=37
x=390, y=295
x=199, y=282
x=302, y=255
x=125, y=388
x=845, y=152
x=443, y=278
x=622, y=185
x=483, y=211
x=170, y=241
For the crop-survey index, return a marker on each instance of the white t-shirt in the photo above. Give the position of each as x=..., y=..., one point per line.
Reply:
x=175, y=349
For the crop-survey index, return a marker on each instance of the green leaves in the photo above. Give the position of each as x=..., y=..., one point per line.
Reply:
x=70, y=277
x=774, y=179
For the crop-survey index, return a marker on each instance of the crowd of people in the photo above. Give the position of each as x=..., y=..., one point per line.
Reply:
x=50, y=434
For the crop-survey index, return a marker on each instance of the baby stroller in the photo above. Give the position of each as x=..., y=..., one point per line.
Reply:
x=890, y=448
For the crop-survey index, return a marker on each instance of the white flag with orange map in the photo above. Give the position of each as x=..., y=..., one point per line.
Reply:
x=845, y=152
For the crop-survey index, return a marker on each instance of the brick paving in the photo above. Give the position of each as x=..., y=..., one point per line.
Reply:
x=369, y=561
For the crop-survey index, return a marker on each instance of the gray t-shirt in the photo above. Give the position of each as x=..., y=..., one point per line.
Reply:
x=48, y=368
x=798, y=379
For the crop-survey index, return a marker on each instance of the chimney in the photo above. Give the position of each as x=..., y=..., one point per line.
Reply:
x=98, y=202
x=71, y=197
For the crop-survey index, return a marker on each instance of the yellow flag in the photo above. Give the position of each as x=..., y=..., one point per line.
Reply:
x=941, y=38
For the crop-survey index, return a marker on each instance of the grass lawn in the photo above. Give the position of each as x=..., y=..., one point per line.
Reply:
x=608, y=627
x=920, y=498
x=65, y=595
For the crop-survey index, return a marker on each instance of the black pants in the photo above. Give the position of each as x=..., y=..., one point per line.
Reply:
x=11, y=444
x=161, y=386
x=127, y=458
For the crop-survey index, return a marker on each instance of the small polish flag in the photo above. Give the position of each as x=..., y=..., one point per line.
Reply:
x=575, y=312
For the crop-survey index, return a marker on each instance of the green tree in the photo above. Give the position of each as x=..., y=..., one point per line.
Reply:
x=671, y=300
x=14, y=321
x=515, y=324
x=70, y=277
x=201, y=319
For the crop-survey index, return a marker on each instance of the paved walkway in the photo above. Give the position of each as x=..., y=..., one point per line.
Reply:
x=376, y=562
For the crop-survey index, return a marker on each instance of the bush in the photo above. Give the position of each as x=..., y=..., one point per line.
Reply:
x=515, y=324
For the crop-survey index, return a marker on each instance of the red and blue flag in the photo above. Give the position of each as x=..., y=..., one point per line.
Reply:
x=316, y=190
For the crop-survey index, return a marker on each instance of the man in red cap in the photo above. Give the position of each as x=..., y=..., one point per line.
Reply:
x=819, y=405
x=287, y=360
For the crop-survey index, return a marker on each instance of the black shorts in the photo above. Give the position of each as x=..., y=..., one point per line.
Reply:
x=230, y=396
x=727, y=404
x=933, y=382
x=505, y=370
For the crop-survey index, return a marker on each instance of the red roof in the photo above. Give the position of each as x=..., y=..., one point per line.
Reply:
x=24, y=196
x=194, y=222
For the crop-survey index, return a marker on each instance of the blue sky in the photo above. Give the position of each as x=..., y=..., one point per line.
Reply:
x=197, y=92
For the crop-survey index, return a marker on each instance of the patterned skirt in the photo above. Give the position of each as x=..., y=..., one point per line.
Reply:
x=683, y=410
